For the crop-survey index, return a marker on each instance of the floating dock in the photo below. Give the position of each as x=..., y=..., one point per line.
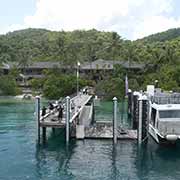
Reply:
x=100, y=131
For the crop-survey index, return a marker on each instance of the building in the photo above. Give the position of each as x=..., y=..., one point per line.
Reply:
x=35, y=69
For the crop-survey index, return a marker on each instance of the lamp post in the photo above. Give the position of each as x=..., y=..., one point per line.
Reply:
x=78, y=67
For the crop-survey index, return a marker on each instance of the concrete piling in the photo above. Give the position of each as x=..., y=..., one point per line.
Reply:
x=130, y=100
x=140, y=123
x=115, y=120
x=38, y=117
x=67, y=118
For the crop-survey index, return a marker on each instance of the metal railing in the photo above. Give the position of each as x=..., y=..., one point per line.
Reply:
x=166, y=99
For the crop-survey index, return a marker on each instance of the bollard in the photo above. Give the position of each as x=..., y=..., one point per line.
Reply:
x=115, y=120
x=38, y=116
x=67, y=118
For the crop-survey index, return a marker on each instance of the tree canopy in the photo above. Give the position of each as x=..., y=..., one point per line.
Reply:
x=160, y=52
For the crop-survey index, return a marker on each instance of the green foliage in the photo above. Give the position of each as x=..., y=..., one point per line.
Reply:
x=159, y=52
x=56, y=86
x=163, y=36
x=8, y=86
x=113, y=87
x=37, y=84
x=68, y=47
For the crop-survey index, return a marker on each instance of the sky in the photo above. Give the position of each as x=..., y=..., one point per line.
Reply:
x=131, y=19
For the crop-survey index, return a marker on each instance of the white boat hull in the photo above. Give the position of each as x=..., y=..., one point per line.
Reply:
x=171, y=138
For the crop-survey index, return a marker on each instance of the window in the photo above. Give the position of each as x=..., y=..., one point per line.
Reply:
x=169, y=114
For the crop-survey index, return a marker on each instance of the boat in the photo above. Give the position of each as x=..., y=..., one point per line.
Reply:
x=164, y=117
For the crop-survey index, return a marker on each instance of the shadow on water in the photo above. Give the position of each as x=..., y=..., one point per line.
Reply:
x=156, y=161
x=52, y=157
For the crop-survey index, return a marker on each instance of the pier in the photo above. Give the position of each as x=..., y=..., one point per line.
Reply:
x=51, y=118
x=78, y=121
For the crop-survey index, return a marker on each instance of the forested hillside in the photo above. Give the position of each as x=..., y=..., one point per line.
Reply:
x=160, y=52
x=162, y=36
x=43, y=45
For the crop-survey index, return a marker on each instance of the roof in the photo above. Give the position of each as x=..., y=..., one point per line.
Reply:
x=98, y=64
x=109, y=64
x=166, y=106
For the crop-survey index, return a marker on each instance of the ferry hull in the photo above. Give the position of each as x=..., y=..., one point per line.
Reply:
x=161, y=139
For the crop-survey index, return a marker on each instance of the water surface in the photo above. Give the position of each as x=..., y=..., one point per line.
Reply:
x=21, y=158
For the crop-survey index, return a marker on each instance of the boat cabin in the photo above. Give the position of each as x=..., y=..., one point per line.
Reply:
x=165, y=118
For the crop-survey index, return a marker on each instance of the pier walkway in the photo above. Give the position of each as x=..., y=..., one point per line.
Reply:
x=77, y=104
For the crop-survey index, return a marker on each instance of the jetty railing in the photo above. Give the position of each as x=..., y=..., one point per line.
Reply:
x=166, y=98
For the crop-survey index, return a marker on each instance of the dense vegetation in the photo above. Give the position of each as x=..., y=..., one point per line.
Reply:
x=56, y=84
x=163, y=36
x=8, y=86
x=159, y=52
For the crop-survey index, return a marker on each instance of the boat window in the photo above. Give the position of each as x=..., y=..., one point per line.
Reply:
x=169, y=114
x=153, y=116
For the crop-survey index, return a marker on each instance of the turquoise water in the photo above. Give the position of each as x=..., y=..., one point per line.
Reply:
x=103, y=112
x=21, y=158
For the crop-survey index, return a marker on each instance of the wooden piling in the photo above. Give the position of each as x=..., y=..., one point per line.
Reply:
x=143, y=120
x=135, y=111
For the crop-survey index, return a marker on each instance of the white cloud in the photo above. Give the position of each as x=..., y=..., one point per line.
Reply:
x=154, y=24
x=130, y=18
x=75, y=14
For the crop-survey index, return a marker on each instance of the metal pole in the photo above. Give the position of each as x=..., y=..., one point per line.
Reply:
x=38, y=116
x=67, y=118
x=115, y=120
x=78, y=65
x=140, y=123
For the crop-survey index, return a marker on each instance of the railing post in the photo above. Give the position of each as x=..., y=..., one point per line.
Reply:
x=67, y=118
x=38, y=117
x=115, y=120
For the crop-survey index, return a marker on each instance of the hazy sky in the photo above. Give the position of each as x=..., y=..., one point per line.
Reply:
x=132, y=19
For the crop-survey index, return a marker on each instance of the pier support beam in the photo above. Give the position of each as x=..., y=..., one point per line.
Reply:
x=67, y=118
x=115, y=120
x=44, y=134
x=38, y=117
x=53, y=130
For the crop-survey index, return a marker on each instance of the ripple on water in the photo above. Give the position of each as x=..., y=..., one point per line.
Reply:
x=21, y=158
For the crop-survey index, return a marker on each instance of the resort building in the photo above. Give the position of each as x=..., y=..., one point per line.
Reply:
x=98, y=67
